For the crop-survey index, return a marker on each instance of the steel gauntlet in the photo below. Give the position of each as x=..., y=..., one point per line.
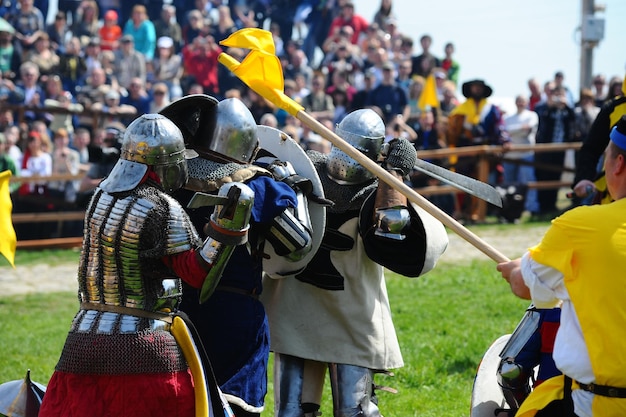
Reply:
x=290, y=232
x=227, y=228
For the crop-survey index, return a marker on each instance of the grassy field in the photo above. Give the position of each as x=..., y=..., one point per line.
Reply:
x=445, y=321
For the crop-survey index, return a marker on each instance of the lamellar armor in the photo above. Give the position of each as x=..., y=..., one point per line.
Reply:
x=119, y=271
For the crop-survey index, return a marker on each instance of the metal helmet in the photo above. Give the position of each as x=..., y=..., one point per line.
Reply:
x=151, y=140
x=195, y=115
x=235, y=133
x=365, y=130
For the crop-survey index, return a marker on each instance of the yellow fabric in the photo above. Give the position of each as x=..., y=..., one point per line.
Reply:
x=253, y=39
x=181, y=333
x=429, y=97
x=541, y=396
x=470, y=110
x=588, y=246
x=617, y=113
x=261, y=69
x=8, y=240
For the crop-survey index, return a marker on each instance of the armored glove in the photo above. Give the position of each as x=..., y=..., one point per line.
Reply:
x=400, y=155
x=227, y=228
x=230, y=220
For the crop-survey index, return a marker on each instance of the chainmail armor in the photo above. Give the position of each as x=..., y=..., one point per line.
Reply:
x=345, y=197
x=208, y=176
x=402, y=155
x=125, y=235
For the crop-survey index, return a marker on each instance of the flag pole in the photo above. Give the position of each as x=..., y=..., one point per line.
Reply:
x=401, y=187
x=261, y=71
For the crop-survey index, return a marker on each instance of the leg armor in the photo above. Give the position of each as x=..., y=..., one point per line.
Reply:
x=353, y=391
x=298, y=386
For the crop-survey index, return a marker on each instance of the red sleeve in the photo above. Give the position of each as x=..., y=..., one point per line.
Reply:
x=187, y=266
x=336, y=23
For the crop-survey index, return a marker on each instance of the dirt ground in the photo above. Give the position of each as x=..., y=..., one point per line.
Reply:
x=45, y=278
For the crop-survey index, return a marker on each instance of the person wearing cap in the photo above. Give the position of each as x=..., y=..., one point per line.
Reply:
x=128, y=62
x=10, y=58
x=141, y=28
x=110, y=32
x=577, y=264
x=475, y=122
x=168, y=65
x=113, y=110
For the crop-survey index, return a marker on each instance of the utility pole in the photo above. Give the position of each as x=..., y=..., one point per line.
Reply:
x=592, y=32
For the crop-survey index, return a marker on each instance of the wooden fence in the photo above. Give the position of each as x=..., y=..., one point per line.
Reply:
x=483, y=155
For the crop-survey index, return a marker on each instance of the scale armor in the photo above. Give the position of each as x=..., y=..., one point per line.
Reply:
x=119, y=267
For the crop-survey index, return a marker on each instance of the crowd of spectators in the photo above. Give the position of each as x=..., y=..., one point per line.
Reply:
x=108, y=61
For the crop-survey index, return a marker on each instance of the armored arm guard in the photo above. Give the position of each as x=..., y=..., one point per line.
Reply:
x=227, y=228
x=290, y=232
x=392, y=217
x=400, y=236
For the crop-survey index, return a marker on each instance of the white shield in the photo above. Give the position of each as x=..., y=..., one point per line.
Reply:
x=486, y=392
x=285, y=148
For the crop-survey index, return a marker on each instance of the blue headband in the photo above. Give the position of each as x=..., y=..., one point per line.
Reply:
x=618, y=138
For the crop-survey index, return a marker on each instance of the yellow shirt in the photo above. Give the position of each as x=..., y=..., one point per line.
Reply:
x=588, y=246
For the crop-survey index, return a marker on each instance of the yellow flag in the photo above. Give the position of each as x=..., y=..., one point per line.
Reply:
x=429, y=98
x=253, y=39
x=261, y=69
x=8, y=240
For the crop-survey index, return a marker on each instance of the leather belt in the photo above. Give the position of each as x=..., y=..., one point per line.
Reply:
x=154, y=315
x=603, y=390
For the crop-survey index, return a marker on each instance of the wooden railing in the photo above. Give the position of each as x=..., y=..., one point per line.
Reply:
x=483, y=154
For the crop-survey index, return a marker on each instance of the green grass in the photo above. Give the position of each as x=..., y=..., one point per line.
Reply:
x=445, y=322
x=51, y=257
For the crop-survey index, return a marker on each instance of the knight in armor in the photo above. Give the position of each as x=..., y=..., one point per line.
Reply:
x=335, y=315
x=232, y=322
x=127, y=352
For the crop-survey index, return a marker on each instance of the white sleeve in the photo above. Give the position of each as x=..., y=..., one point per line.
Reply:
x=545, y=283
